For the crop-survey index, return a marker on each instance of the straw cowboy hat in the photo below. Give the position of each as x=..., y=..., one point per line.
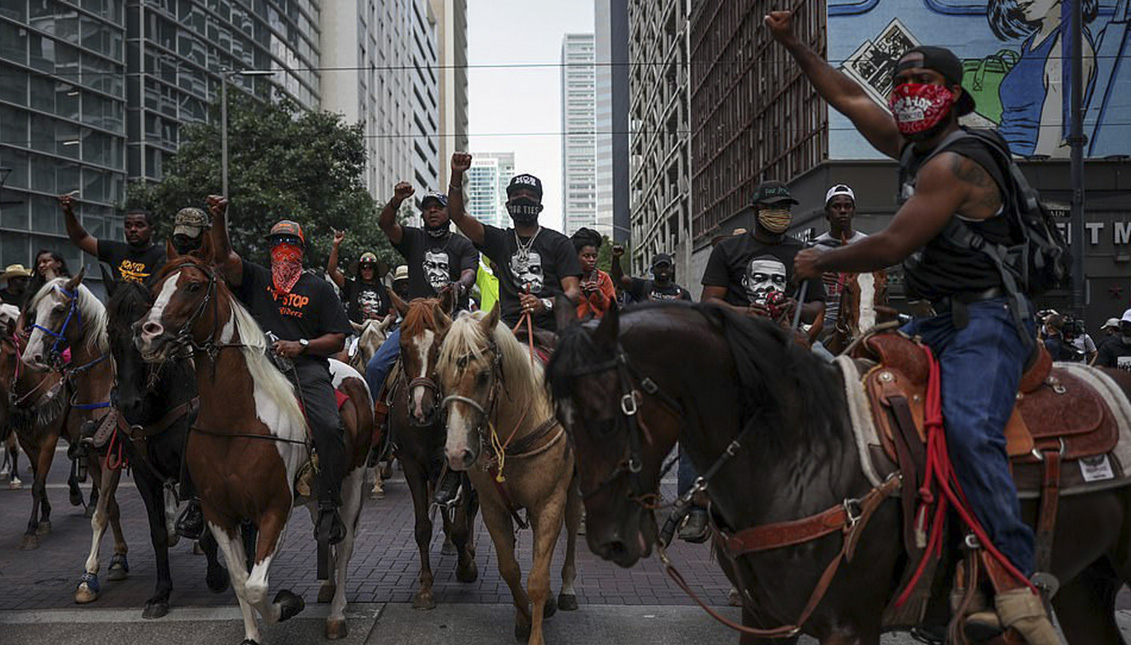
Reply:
x=15, y=271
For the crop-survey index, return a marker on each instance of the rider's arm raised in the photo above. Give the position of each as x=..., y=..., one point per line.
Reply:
x=470, y=226
x=842, y=93
x=79, y=235
x=388, y=221
x=332, y=264
x=224, y=257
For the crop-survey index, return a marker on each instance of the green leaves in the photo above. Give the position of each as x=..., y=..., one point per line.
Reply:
x=283, y=163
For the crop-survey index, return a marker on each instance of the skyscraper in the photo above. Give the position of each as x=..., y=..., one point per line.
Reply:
x=579, y=146
x=487, y=187
x=611, y=28
x=451, y=36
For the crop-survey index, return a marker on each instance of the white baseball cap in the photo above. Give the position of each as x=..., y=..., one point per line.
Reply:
x=839, y=189
x=1126, y=316
x=1112, y=322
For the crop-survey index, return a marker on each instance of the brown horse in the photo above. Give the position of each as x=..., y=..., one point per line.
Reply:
x=863, y=305
x=418, y=438
x=782, y=413
x=502, y=431
x=250, y=439
x=67, y=314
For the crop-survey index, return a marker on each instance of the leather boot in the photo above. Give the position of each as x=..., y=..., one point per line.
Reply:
x=694, y=529
x=1024, y=611
x=190, y=523
x=448, y=489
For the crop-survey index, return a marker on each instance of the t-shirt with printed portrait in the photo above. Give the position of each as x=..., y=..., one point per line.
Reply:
x=435, y=262
x=750, y=269
x=538, y=266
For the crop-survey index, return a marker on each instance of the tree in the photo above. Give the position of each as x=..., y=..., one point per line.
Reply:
x=283, y=163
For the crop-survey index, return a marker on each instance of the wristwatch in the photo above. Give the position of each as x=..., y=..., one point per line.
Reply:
x=548, y=304
x=305, y=344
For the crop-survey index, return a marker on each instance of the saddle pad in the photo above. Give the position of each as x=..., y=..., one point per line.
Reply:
x=1111, y=468
x=341, y=398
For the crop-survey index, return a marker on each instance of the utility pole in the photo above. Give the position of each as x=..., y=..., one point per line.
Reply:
x=1076, y=140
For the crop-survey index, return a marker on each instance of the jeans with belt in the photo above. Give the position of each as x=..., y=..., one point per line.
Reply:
x=981, y=365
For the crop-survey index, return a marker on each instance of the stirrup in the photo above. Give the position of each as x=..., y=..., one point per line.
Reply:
x=190, y=523
x=448, y=496
x=336, y=531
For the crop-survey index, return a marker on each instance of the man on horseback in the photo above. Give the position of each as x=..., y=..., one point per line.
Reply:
x=974, y=326
x=535, y=264
x=137, y=260
x=662, y=286
x=840, y=210
x=189, y=227
x=302, y=311
x=751, y=272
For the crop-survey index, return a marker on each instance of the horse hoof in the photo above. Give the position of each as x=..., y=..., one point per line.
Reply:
x=449, y=548
x=289, y=604
x=423, y=600
x=326, y=592
x=44, y=528
x=89, y=512
x=567, y=602
x=248, y=641
x=172, y=540
x=30, y=543
x=470, y=573
x=522, y=633
x=119, y=568
x=15, y=484
x=217, y=581
x=336, y=629
x=550, y=609
x=155, y=609
x=377, y=494
x=76, y=497
x=84, y=594
x=197, y=549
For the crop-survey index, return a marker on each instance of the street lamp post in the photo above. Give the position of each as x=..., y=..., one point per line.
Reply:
x=224, y=76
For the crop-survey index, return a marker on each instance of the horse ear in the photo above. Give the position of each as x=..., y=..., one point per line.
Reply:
x=170, y=251
x=108, y=280
x=609, y=328
x=206, y=252
x=565, y=312
x=357, y=327
x=74, y=282
x=400, y=305
x=447, y=300
x=386, y=323
x=489, y=323
x=440, y=314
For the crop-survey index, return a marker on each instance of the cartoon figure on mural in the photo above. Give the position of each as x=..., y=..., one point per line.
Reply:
x=1032, y=122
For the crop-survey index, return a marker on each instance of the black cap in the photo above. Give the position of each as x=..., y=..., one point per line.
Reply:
x=943, y=61
x=772, y=191
x=525, y=181
x=439, y=198
x=661, y=258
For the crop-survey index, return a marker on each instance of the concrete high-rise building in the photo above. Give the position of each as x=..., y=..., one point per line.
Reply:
x=611, y=30
x=579, y=145
x=659, y=145
x=451, y=36
x=95, y=93
x=382, y=72
x=486, y=186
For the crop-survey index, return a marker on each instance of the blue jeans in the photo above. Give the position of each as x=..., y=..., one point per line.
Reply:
x=981, y=367
x=378, y=367
x=685, y=475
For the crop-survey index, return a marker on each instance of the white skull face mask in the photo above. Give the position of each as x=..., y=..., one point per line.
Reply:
x=527, y=269
x=763, y=275
x=436, y=269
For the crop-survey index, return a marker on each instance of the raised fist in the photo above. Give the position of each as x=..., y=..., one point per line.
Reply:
x=618, y=250
x=67, y=202
x=780, y=24
x=217, y=204
x=403, y=191
x=461, y=161
x=338, y=236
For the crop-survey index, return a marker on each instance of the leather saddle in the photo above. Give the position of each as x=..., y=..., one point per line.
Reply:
x=1055, y=410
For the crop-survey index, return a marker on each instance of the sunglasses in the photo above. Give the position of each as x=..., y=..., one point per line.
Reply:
x=286, y=239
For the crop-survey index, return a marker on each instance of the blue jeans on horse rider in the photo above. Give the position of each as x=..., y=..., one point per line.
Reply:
x=378, y=367
x=981, y=367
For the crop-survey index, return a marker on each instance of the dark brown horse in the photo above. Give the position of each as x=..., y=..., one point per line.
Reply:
x=250, y=438
x=714, y=377
x=418, y=436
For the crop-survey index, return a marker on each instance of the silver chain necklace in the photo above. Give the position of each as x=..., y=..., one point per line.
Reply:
x=523, y=251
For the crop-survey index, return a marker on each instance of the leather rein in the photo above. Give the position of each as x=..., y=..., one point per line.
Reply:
x=848, y=518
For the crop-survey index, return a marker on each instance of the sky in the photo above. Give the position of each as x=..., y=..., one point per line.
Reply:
x=508, y=106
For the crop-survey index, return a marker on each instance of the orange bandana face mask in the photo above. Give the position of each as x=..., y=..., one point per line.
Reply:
x=286, y=266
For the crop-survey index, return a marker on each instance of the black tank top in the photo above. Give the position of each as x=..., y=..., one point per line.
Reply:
x=941, y=269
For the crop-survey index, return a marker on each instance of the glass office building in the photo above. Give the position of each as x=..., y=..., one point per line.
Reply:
x=93, y=94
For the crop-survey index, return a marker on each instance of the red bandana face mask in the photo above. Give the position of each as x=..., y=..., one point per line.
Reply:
x=918, y=108
x=286, y=266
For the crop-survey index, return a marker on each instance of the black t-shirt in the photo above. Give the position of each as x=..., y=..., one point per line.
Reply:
x=9, y=298
x=310, y=310
x=129, y=263
x=550, y=258
x=750, y=269
x=435, y=262
x=364, y=300
x=1114, y=353
x=648, y=290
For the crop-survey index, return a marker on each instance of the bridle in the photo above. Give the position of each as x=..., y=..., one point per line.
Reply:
x=485, y=411
x=55, y=354
x=183, y=344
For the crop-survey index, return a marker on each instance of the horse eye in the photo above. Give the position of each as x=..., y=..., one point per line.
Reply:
x=462, y=362
x=60, y=307
x=194, y=286
x=483, y=376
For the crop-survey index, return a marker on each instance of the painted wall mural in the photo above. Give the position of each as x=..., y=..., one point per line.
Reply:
x=1016, y=62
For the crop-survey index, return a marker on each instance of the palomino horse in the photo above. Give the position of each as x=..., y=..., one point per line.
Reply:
x=782, y=413
x=863, y=304
x=68, y=315
x=418, y=436
x=157, y=404
x=250, y=438
x=502, y=431
x=33, y=409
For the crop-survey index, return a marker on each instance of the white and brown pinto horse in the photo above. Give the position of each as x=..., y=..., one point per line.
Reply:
x=250, y=439
x=502, y=431
x=863, y=305
x=67, y=315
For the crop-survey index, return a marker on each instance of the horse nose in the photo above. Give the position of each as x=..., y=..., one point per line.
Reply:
x=151, y=329
x=460, y=459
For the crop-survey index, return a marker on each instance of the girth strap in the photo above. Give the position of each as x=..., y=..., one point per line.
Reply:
x=1050, y=498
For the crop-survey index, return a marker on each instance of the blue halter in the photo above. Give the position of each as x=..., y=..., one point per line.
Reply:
x=56, y=352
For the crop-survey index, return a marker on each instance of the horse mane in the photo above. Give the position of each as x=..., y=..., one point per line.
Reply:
x=420, y=316
x=92, y=311
x=525, y=382
x=129, y=302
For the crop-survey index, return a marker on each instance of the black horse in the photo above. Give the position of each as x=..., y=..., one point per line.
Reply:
x=706, y=376
x=158, y=401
